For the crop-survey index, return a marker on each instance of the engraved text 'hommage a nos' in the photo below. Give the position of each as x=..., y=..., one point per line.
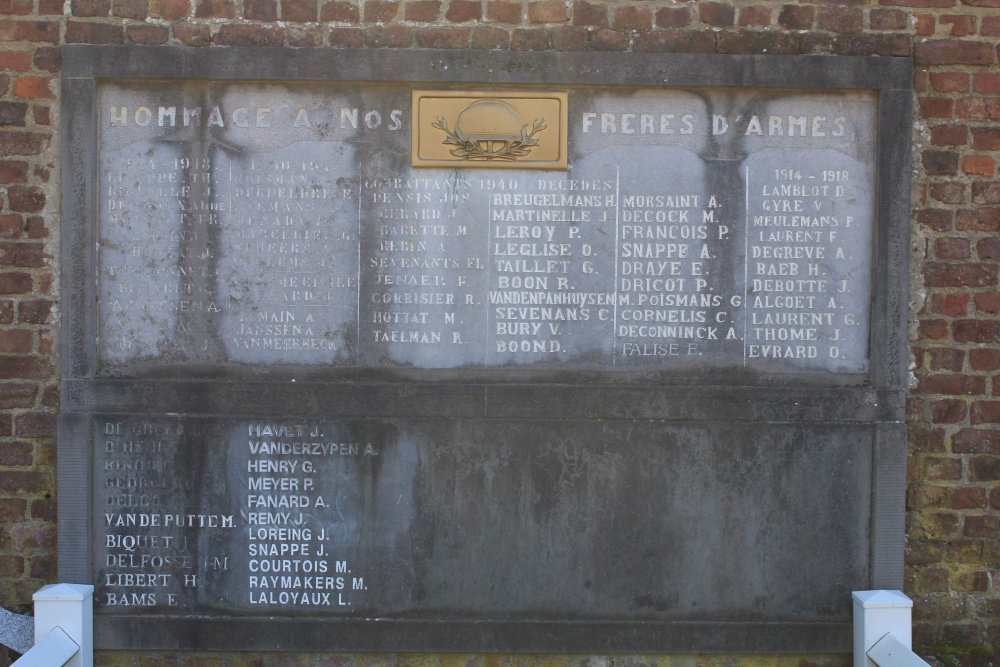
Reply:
x=489, y=130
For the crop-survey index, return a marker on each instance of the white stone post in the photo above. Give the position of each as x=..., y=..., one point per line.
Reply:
x=877, y=613
x=70, y=607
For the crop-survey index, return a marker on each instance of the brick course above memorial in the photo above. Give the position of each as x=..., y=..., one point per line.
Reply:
x=952, y=519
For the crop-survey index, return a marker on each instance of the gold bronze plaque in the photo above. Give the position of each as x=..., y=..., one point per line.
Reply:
x=489, y=130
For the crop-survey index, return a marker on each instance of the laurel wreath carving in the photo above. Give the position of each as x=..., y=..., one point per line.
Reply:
x=511, y=149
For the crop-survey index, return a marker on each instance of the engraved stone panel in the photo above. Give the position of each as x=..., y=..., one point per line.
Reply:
x=270, y=225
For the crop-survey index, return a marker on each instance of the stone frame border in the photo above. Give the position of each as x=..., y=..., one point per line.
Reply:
x=879, y=402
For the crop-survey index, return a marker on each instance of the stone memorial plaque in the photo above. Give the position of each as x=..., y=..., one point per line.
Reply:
x=283, y=225
x=432, y=351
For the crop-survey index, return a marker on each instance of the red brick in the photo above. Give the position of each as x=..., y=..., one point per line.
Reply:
x=16, y=453
x=300, y=11
x=18, y=61
x=488, y=37
x=983, y=138
x=50, y=7
x=864, y=44
x=192, y=34
x=942, y=274
x=586, y=14
x=35, y=425
x=547, y=11
x=716, y=13
x=43, y=567
x=948, y=193
x=675, y=41
x=33, y=536
x=936, y=107
x=606, y=39
x=984, y=360
x=955, y=385
x=796, y=17
x=13, y=510
x=35, y=311
x=12, y=114
x=260, y=10
x=462, y=11
x=961, y=24
x=945, y=359
x=984, y=468
x=988, y=248
x=171, y=10
x=250, y=35
x=48, y=59
x=391, y=36
x=630, y=17
x=524, y=39
x=990, y=26
x=978, y=107
x=949, y=135
x=11, y=226
x=15, y=283
x=347, y=38
x=950, y=304
x=443, y=38
x=43, y=509
x=985, y=412
x=16, y=395
x=950, y=82
x=15, y=7
x=380, y=11
x=975, y=440
x=985, y=193
x=952, y=248
x=130, y=9
x=940, y=163
x=947, y=412
x=17, y=481
x=18, y=341
x=78, y=32
x=673, y=17
x=968, y=498
x=342, y=12
x=981, y=526
x=34, y=87
x=6, y=310
x=757, y=42
x=988, y=302
x=29, y=31
x=510, y=12
x=937, y=219
x=840, y=19
x=41, y=116
x=424, y=11
x=923, y=25
x=950, y=52
x=978, y=165
x=151, y=35
x=90, y=7
x=887, y=19
x=566, y=38
x=981, y=3
x=975, y=331
x=217, y=9
x=932, y=329
x=983, y=219
x=26, y=198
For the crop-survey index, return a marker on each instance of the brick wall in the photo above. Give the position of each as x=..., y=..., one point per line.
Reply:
x=953, y=554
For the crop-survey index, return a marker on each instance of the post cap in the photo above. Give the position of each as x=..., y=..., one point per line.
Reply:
x=55, y=592
x=881, y=599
